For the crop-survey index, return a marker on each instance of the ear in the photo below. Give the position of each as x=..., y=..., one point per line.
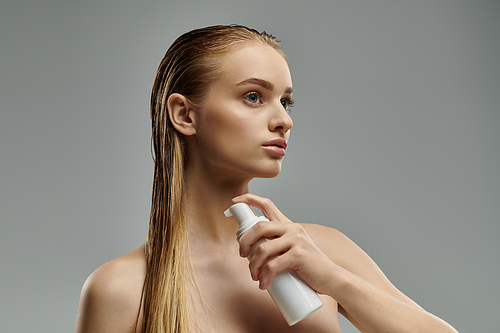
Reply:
x=181, y=114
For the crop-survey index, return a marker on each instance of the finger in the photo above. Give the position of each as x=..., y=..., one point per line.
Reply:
x=272, y=268
x=262, y=229
x=264, y=204
x=265, y=252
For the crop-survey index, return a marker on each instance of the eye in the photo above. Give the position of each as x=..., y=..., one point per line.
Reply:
x=253, y=97
x=287, y=104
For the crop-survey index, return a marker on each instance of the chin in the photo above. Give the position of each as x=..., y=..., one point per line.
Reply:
x=262, y=169
x=269, y=173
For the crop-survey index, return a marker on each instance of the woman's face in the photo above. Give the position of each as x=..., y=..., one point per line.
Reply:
x=245, y=123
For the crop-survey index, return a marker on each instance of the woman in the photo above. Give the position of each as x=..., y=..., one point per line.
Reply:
x=220, y=117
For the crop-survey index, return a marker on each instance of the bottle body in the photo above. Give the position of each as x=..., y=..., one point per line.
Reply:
x=295, y=299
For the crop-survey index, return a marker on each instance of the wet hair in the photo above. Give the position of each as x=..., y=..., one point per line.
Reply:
x=191, y=64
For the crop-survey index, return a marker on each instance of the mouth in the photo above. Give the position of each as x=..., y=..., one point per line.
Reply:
x=276, y=146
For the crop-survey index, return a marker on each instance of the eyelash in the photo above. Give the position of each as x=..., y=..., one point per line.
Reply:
x=259, y=95
x=290, y=102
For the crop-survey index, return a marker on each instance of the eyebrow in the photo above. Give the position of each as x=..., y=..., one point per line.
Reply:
x=263, y=83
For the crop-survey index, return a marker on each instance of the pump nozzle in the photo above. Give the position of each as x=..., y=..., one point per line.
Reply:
x=245, y=216
x=241, y=211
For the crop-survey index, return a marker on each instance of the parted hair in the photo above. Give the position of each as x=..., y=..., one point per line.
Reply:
x=189, y=67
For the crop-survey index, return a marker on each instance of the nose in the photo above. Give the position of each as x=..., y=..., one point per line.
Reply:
x=280, y=119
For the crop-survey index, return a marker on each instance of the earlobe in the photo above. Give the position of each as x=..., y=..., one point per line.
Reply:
x=180, y=113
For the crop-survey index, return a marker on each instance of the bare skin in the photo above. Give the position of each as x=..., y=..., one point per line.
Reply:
x=227, y=148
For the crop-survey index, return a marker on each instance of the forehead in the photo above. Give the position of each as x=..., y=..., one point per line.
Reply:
x=256, y=61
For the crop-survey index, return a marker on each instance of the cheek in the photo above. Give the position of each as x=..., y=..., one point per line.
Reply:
x=228, y=123
x=220, y=134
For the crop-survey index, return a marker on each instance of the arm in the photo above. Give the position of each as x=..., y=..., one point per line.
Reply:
x=335, y=266
x=367, y=298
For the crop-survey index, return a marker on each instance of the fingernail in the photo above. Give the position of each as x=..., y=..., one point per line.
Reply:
x=242, y=254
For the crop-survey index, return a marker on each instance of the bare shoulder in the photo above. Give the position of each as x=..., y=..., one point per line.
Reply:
x=347, y=254
x=111, y=295
x=333, y=243
x=344, y=252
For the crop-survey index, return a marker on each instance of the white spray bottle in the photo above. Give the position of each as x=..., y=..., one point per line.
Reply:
x=295, y=299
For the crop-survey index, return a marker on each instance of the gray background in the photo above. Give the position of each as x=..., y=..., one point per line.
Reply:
x=396, y=141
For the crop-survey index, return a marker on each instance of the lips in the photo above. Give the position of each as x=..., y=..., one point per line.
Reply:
x=275, y=146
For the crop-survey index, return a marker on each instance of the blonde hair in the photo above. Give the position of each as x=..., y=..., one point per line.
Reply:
x=189, y=66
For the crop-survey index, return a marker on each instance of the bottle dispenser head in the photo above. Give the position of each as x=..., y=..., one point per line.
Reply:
x=245, y=217
x=241, y=211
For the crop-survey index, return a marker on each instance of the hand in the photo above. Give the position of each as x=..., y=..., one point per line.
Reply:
x=364, y=295
x=288, y=246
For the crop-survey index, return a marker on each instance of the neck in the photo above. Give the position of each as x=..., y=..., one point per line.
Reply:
x=205, y=200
